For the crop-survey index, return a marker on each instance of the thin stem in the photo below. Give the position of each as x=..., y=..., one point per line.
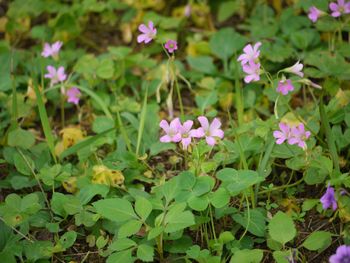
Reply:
x=62, y=110
x=281, y=187
x=179, y=97
x=17, y=231
x=239, y=101
x=248, y=219
x=212, y=222
x=37, y=179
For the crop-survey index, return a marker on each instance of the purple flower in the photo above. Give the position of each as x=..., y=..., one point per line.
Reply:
x=55, y=75
x=328, y=199
x=252, y=70
x=284, y=86
x=283, y=134
x=250, y=53
x=342, y=255
x=73, y=95
x=51, y=50
x=299, y=136
x=314, y=13
x=339, y=8
x=172, y=131
x=171, y=46
x=210, y=132
x=296, y=69
x=148, y=33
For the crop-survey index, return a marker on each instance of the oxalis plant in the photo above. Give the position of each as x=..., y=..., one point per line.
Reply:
x=136, y=155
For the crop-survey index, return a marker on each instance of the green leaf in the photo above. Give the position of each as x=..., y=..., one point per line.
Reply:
x=21, y=138
x=122, y=256
x=89, y=191
x=202, y=64
x=105, y=69
x=121, y=244
x=115, y=209
x=256, y=222
x=143, y=207
x=226, y=42
x=219, y=198
x=21, y=165
x=154, y=232
x=247, y=256
x=102, y=123
x=227, y=9
x=237, y=181
x=318, y=240
x=198, y=203
x=203, y=185
x=181, y=221
x=68, y=239
x=129, y=228
x=281, y=228
x=145, y=253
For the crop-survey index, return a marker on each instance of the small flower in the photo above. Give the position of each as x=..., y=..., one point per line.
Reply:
x=342, y=255
x=186, y=133
x=328, y=199
x=252, y=70
x=296, y=69
x=283, y=134
x=250, y=53
x=171, y=46
x=339, y=8
x=51, y=50
x=187, y=10
x=73, y=95
x=309, y=83
x=299, y=136
x=172, y=132
x=148, y=33
x=314, y=13
x=285, y=86
x=210, y=132
x=55, y=75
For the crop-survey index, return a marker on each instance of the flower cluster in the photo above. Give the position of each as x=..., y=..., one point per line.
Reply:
x=250, y=62
x=328, y=199
x=58, y=75
x=148, y=33
x=175, y=131
x=293, y=135
x=337, y=9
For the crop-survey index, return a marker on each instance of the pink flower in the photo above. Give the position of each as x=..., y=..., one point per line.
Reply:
x=73, y=95
x=148, y=33
x=172, y=131
x=210, y=132
x=186, y=133
x=171, y=46
x=299, y=136
x=55, y=75
x=51, y=50
x=314, y=13
x=252, y=70
x=296, y=69
x=339, y=8
x=187, y=10
x=250, y=53
x=285, y=86
x=283, y=134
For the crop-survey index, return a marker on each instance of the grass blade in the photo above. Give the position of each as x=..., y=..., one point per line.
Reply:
x=75, y=148
x=142, y=123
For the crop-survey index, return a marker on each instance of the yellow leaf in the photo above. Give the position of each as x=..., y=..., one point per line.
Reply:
x=71, y=136
x=70, y=185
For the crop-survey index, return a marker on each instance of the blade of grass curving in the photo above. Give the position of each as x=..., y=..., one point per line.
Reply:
x=14, y=116
x=99, y=101
x=82, y=144
x=45, y=122
x=142, y=123
x=123, y=131
x=329, y=135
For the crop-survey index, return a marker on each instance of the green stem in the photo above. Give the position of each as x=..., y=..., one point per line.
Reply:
x=329, y=135
x=14, y=116
x=239, y=101
x=62, y=110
